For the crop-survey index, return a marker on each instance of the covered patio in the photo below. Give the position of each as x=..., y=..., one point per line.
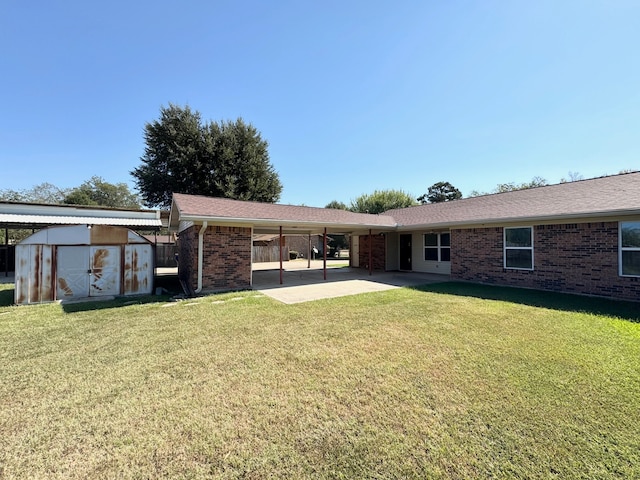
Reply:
x=299, y=281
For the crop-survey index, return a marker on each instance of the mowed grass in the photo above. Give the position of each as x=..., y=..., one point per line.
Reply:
x=451, y=381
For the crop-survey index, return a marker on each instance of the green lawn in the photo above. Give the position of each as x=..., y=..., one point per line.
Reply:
x=452, y=381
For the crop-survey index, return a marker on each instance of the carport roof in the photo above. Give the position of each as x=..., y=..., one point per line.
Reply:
x=32, y=215
x=268, y=216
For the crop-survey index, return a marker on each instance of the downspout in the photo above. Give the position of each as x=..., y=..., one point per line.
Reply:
x=200, y=255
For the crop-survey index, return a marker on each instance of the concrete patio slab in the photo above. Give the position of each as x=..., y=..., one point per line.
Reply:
x=308, y=284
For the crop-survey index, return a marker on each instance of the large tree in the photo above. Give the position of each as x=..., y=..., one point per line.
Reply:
x=382, y=200
x=183, y=154
x=440, y=192
x=96, y=191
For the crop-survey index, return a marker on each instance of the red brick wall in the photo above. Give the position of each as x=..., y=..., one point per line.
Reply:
x=378, y=252
x=576, y=258
x=226, y=261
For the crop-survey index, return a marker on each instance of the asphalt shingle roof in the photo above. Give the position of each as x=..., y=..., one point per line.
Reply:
x=598, y=197
x=201, y=207
x=595, y=197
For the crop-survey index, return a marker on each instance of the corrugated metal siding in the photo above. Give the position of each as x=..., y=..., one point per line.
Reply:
x=138, y=269
x=89, y=262
x=34, y=267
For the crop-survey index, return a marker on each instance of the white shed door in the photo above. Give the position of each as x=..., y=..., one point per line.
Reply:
x=105, y=271
x=72, y=272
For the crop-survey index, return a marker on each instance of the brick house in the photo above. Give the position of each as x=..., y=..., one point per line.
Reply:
x=579, y=237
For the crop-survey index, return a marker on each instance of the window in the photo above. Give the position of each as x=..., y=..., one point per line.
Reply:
x=630, y=249
x=518, y=248
x=437, y=247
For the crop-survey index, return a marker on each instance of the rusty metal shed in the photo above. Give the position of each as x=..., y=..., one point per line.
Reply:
x=80, y=261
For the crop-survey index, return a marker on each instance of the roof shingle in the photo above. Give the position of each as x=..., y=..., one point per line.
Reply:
x=585, y=198
x=201, y=207
x=597, y=197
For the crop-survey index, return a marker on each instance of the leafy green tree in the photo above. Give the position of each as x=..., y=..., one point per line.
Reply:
x=226, y=159
x=382, y=200
x=42, y=193
x=511, y=186
x=336, y=205
x=440, y=192
x=96, y=191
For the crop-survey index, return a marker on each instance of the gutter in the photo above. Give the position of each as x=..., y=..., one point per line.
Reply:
x=200, y=255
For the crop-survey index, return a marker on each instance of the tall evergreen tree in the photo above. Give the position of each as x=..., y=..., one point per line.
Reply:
x=183, y=155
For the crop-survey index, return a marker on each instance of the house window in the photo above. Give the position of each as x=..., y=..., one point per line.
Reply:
x=630, y=249
x=437, y=247
x=518, y=248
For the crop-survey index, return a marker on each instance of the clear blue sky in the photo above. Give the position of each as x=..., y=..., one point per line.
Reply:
x=352, y=96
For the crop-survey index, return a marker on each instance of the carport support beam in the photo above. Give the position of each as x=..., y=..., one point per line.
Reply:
x=324, y=252
x=370, y=252
x=6, y=252
x=280, y=249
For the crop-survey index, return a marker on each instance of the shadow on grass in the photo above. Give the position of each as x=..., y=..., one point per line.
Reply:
x=537, y=298
x=170, y=284
x=6, y=297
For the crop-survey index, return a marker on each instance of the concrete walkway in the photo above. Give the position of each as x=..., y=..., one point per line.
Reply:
x=302, y=284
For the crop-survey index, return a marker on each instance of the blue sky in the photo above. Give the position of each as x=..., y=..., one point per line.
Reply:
x=351, y=96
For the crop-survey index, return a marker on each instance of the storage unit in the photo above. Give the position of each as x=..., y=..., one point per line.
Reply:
x=80, y=261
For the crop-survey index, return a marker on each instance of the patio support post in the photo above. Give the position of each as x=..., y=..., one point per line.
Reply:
x=280, y=248
x=6, y=252
x=324, y=252
x=370, y=252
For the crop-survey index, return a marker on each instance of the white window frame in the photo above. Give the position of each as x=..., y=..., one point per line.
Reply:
x=438, y=247
x=625, y=249
x=505, y=248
